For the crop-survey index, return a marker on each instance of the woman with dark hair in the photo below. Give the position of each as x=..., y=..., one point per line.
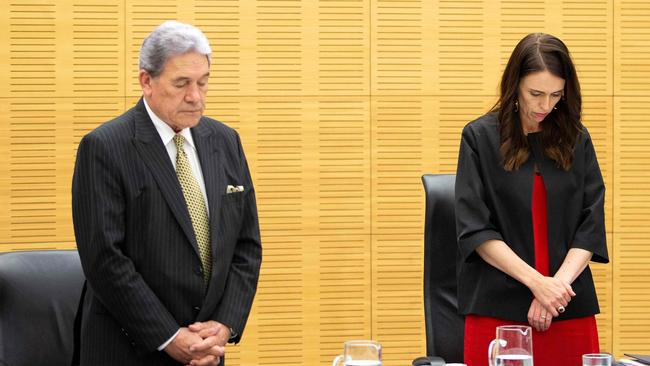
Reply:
x=529, y=211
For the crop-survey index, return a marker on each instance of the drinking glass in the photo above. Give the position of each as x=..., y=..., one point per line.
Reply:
x=359, y=353
x=597, y=359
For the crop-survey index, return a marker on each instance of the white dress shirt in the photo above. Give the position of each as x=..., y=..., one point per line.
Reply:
x=167, y=135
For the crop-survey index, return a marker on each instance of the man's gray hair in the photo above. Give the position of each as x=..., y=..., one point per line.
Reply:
x=170, y=39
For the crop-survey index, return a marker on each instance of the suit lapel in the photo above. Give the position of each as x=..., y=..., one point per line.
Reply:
x=154, y=154
x=210, y=159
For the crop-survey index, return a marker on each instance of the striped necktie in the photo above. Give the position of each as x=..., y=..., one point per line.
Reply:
x=195, y=205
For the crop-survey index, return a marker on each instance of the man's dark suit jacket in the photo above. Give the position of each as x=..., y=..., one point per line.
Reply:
x=137, y=244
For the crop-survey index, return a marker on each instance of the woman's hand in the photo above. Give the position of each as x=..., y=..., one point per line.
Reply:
x=538, y=317
x=552, y=293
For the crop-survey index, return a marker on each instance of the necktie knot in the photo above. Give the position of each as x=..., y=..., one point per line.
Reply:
x=179, y=141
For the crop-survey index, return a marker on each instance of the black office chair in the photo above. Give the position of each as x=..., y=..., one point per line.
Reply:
x=39, y=295
x=444, y=326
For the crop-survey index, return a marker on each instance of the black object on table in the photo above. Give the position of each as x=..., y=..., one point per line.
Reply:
x=428, y=361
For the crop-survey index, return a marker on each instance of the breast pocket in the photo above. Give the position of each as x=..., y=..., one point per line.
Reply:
x=232, y=208
x=232, y=204
x=233, y=197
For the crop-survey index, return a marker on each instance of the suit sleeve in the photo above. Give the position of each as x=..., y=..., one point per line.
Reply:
x=473, y=217
x=590, y=234
x=241, y=285
x=98, y=211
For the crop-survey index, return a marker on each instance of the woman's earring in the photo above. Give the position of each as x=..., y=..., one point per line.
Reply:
x=516, y=106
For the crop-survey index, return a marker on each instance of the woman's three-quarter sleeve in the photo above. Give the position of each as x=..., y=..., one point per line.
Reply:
x=473, y=217
x=590, y=234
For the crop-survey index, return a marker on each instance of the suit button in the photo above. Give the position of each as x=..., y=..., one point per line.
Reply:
x=198, y=271
x=197, y=308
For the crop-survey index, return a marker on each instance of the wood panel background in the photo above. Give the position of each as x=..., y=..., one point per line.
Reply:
x=342, y=106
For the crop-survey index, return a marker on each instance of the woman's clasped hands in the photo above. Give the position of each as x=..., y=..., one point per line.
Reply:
x=551, y=297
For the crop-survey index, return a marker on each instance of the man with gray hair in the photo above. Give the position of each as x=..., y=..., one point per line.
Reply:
x=165, y=220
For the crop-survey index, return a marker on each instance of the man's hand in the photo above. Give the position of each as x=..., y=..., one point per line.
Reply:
x=214, y=337
x=179, y=347
x=182, y=349
x=212, y=328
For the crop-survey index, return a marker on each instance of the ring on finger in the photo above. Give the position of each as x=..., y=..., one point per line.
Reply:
x=560, y=309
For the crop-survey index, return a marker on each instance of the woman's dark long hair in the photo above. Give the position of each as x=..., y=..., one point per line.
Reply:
x=561, y=128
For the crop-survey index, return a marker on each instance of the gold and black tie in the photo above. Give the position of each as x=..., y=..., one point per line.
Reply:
x=195, y=205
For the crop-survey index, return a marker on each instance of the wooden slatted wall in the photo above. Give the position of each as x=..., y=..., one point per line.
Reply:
x=342, y=106
x=631, y=134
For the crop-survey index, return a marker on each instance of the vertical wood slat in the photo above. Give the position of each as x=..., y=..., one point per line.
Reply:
x=32, y=172
x=96, y=32
x=461, y=49
x=632, y=208
x=279, y=49
x=5, y=54
x=398, y=48
x=343, y=160
x=342, y=51
x=631, y=48
x=32, y=49
x=281, y=165
x=343, y=295
x=281, y=309
x=397, y=162
x=5, y=181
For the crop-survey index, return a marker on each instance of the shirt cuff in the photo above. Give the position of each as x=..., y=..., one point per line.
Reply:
x=233, y=335
x=162, y=346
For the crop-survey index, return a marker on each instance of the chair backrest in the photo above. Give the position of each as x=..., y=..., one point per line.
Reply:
x=444, y=326
x=39, y=294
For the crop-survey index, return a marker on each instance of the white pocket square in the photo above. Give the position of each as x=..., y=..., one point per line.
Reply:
x=233, y=189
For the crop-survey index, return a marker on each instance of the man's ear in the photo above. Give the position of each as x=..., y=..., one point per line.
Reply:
x=145, y=82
